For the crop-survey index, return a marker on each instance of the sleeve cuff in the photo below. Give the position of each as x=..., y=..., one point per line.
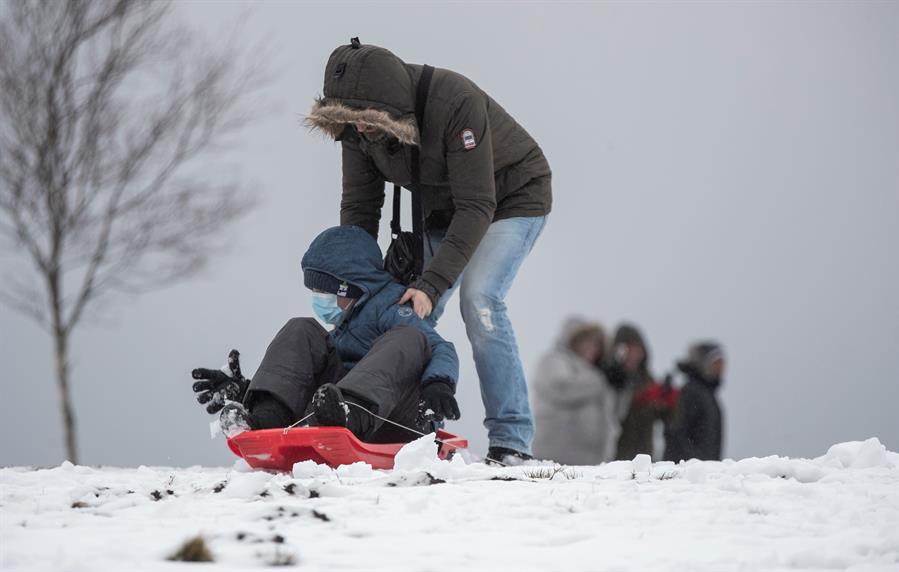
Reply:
x=440, y=379
x=427, y=288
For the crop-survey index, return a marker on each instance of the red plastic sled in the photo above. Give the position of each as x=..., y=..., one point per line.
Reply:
x=276, y=450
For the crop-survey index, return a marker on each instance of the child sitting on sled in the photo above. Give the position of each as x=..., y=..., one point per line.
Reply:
x=379, y=359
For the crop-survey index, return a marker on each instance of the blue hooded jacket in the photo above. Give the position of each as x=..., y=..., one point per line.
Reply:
x=351, y=255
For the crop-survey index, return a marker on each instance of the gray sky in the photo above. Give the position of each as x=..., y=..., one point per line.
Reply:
x=726, y=170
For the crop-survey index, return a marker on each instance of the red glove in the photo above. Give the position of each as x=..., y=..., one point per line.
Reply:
x=657, y=396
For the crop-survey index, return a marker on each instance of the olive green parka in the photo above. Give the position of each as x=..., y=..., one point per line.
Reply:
x=477, y=164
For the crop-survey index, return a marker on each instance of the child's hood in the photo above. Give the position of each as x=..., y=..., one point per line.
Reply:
x=349, y=254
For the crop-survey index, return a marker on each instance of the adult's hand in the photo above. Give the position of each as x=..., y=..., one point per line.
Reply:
x=421, y=302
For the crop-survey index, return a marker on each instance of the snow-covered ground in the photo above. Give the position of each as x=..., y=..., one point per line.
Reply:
x=840, y=511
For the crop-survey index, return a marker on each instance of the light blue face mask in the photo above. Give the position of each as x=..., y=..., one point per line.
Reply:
x=325, y=307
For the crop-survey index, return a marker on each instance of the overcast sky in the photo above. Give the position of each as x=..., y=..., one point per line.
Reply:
x=725, y=170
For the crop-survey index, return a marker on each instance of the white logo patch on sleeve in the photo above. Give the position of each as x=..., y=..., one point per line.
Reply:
x=468, y=139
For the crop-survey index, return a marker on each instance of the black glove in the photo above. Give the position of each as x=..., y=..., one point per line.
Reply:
x=216, y=387
x=437, y=401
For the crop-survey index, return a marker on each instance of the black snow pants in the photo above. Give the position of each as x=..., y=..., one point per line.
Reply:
x=302, y=357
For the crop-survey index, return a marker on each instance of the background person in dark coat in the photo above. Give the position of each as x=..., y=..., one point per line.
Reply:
x=697, y=429
x=485, y=190
x=641, y=401
x=380, y=355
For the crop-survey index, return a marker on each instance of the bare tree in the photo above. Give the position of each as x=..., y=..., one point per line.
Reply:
x=105, y=105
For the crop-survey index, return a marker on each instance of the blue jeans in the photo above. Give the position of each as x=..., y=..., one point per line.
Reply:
x=483, y=287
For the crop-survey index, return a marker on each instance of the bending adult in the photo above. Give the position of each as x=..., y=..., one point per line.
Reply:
x=485, y=191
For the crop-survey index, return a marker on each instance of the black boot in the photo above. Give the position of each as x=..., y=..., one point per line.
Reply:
x=333, y=409
x=267, y=411
x=506, y=456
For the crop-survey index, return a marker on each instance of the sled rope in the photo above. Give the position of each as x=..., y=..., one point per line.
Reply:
x=292, y=425
x=356, y=405
x=401, y=426
x=441, y=441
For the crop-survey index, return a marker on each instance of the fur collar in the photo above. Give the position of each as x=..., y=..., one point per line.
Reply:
x=330, y=117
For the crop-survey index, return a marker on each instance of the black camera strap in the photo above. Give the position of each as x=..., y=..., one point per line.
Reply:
x=421, y=100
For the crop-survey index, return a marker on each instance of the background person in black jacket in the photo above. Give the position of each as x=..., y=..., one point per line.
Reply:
x=696, y=432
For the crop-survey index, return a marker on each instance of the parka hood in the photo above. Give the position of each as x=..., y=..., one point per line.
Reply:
x=351, y=255
x=630, y=334
x=369, y=85
x=573, y=326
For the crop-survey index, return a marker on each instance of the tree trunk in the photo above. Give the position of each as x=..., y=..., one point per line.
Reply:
x=61, y=340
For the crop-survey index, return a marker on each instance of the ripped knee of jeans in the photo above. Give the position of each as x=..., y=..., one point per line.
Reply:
x=481, y=312
x=485, y=317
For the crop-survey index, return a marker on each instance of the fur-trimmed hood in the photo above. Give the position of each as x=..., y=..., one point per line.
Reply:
x=368, y=85
x=575, y=326
x=331, y=117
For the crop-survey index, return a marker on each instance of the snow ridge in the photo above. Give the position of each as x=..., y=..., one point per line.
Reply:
x=840, y=510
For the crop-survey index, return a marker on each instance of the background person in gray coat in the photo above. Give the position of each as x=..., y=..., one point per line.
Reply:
x=574, y=406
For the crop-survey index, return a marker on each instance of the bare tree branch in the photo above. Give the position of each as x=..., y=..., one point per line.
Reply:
x=104, y=105
x=25, y=300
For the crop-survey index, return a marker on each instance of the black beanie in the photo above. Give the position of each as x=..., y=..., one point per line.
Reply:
x=704, y=353
x=699, y=359
x=315, y=280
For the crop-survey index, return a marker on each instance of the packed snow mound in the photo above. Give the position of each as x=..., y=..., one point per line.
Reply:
x=839, y=510
x=860, y=455
x=419, y=454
